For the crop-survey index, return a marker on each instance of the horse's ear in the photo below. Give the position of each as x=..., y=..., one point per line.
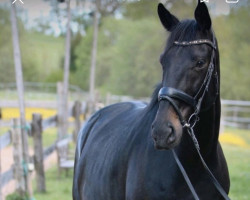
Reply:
x=168, y=20
x=202, y=16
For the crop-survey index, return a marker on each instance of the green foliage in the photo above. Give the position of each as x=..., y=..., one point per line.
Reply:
x=140, y=9
x=7, y=72
x=233, y=37
x=127, y=56
x=128, y=50
x=76, y=39
x=15, y=196
x=134, y=67
x=183, y=9
x=41, y=55
x=82, y=54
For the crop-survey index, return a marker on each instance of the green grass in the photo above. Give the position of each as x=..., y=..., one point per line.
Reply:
x=49, y=136
x=238, y=160
x=47, y=51
x=57, y=187
x=3, y=130
x=29, y=95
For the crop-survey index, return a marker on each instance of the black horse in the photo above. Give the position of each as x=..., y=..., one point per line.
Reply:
x=125, y=151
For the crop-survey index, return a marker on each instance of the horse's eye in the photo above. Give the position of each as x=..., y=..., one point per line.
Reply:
x=200, y=63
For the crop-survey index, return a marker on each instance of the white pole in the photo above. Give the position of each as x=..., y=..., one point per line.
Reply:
x=66, y=74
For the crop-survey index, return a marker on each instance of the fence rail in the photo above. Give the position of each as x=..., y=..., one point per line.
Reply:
x=45, y=87
x=236, y=114
x=6, y=139
x=6, y=177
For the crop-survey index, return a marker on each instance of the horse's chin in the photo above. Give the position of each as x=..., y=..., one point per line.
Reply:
x=166, y=146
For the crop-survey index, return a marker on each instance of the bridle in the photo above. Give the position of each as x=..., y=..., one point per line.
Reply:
x=171, y=94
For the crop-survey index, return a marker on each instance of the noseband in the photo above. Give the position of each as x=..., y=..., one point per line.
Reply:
x=171, y=94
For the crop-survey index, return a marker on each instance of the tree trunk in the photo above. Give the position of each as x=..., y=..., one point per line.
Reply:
x=20, y=89
x=93, y=64
x=66, y=75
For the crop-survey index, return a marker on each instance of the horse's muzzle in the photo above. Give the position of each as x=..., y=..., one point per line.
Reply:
x=164, y=136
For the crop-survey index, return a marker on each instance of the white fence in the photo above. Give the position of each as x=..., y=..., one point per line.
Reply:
x=39, y=91
x=236, y=114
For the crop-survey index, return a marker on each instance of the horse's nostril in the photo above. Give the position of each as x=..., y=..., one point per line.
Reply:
x=154, y=137
x=171, y=138
x=152, y=126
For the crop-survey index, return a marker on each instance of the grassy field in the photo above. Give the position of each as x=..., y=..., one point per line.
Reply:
x=235, y=143
x=237, y=152
x=238, y=159
x=57, y=187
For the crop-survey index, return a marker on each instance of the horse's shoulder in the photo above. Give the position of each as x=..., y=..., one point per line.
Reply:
x=104, y=116
x=84, y=132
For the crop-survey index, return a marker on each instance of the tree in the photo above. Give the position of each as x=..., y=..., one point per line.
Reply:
x=63, y=114
x=101, y=8
x=128, y=53
x=233, y=38
x=20, y=88
x=6, y=51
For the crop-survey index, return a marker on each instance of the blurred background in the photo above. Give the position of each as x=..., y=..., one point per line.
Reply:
x=80, y=56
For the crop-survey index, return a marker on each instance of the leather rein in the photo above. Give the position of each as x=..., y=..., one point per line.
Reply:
x=171, y=94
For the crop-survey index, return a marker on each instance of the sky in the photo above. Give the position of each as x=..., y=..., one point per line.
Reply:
x=34, y=9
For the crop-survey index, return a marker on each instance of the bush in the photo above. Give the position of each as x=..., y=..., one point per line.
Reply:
x=16, y=196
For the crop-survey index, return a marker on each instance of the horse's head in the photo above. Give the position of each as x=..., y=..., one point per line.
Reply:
x=186, y=64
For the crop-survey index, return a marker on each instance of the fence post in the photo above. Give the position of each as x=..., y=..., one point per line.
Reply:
x=76, y=112
x=62, y=125
x=18, y=157
x=36, y=128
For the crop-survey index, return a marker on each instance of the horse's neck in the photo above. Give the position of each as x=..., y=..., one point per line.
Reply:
x=207, y=130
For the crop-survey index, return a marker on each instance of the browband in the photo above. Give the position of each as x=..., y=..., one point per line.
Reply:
x=176, y=94
x=195, y=42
